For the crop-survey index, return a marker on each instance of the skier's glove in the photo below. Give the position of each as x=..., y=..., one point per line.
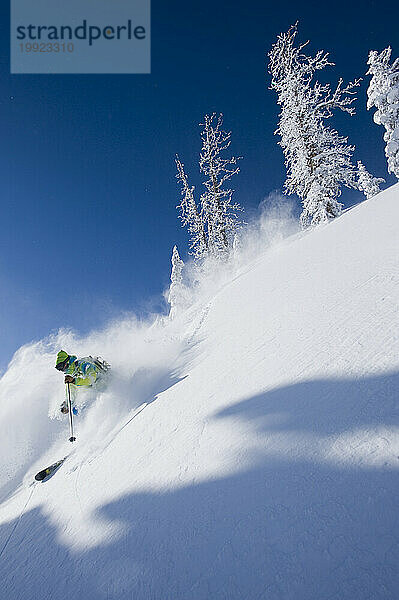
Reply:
x=69, y=379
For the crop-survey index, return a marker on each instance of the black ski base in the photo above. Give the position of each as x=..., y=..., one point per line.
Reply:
x=42, y=475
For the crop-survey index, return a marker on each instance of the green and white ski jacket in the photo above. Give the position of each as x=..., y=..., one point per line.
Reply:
x=83, y=370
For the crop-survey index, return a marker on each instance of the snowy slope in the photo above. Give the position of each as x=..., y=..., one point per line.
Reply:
x=265, y=463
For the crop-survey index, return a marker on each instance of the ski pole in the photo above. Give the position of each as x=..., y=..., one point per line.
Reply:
x=72, y=437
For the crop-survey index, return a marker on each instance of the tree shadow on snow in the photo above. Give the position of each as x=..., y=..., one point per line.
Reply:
x=324, y=407
x=286, y=527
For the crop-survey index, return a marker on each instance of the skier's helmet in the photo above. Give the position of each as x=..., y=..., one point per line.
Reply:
x=62, y=360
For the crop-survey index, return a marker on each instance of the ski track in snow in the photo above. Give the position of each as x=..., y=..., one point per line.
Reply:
x=260, y=462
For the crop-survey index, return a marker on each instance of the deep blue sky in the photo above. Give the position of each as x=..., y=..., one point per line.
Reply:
x=88, y=192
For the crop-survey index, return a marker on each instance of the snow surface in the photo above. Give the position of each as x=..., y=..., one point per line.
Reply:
x=264, y=465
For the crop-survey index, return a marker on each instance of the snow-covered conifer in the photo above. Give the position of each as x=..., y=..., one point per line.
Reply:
x=219, y=213
x=177, y=292
x=317, y=158
x=213, y=223
x=383, y=93
x=368, y=184
x=190, y=216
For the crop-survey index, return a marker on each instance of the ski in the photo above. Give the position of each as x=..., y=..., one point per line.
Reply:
x=42, y=475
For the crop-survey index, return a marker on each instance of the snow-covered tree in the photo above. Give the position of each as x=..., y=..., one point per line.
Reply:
x=190, y=216
x=213, y=223
x=383, y=93
x=317, y=158
x=177, y=291
x=367, y=184
x=219, y=213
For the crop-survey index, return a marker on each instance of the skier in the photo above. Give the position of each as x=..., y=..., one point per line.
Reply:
x=80, y=372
